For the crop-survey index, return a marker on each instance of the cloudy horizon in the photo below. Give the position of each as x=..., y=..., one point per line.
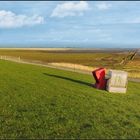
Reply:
x=70, y=23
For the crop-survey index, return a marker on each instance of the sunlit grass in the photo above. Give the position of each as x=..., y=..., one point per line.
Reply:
x=39, y=102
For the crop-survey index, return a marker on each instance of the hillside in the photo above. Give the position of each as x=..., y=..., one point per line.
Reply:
x=40, y=102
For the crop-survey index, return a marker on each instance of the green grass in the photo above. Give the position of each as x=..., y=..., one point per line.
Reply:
x=40, y=102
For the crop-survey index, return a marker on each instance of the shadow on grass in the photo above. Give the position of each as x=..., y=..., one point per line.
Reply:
x=69, y=79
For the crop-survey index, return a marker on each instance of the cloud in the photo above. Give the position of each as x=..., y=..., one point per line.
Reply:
x=70, y=9
x=103, y=6
x=9, y=19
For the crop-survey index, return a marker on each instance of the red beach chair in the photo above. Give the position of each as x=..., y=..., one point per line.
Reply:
x=99, y=75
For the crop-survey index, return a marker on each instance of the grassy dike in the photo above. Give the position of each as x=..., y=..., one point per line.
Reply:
x=40, y=102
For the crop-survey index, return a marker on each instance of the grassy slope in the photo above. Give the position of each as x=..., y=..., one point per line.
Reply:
x=39, y=102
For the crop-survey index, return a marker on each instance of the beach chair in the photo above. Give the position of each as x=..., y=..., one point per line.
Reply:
x=99, y=75
x=117, y=81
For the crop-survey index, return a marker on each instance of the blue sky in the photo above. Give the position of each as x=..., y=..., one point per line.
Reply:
x=70, y=23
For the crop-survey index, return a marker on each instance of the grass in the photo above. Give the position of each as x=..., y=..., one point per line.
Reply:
x=88, y=59
x=40, y=102
x=93, y=59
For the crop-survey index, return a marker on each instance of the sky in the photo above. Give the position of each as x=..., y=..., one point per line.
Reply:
x=70, y=23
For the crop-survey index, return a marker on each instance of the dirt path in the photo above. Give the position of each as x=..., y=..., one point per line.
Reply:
x=39, y=63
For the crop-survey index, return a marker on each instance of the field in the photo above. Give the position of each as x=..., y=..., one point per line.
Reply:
x=114, y=59
x=40, y=102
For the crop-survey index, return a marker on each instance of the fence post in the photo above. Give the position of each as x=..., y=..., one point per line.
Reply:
x=19, y=58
